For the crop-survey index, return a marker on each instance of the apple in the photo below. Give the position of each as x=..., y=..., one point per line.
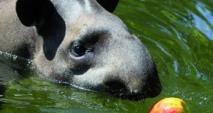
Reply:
x=170, y=105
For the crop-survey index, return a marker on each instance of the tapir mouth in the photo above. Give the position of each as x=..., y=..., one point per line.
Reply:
x=130, y=96
x=121, y=93
x=118, y=89
x=127, y=91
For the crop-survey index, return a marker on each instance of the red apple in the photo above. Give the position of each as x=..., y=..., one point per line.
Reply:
x=170, y=105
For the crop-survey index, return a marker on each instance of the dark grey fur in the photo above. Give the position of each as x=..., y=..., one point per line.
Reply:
x=79, y=42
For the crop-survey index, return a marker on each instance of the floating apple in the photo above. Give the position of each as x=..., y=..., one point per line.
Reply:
x=170, y=105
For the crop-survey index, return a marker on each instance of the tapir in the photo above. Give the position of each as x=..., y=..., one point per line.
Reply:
x=79, y=42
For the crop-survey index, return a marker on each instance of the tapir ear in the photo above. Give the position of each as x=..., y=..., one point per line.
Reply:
x=30, y=11
x=109, y=5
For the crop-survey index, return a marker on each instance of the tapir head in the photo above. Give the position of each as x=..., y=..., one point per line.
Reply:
x=81, y=43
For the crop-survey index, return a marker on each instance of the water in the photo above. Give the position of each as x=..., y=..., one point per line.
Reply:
x=179, y=36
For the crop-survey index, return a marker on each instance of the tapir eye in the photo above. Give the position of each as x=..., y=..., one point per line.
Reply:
x=78, y=49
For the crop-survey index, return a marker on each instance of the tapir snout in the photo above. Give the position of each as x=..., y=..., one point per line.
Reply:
x=81, y=43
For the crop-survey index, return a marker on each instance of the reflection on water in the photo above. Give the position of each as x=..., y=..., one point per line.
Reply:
x=7, y=67
x=204, y=20
x=179, y=36
x=11, y=60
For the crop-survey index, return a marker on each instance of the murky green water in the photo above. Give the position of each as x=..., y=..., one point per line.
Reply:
x=179, y=35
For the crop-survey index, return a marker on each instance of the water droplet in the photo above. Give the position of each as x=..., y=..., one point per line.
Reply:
x=14, y=57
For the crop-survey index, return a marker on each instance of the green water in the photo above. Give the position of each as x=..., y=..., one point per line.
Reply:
x=179, y=36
